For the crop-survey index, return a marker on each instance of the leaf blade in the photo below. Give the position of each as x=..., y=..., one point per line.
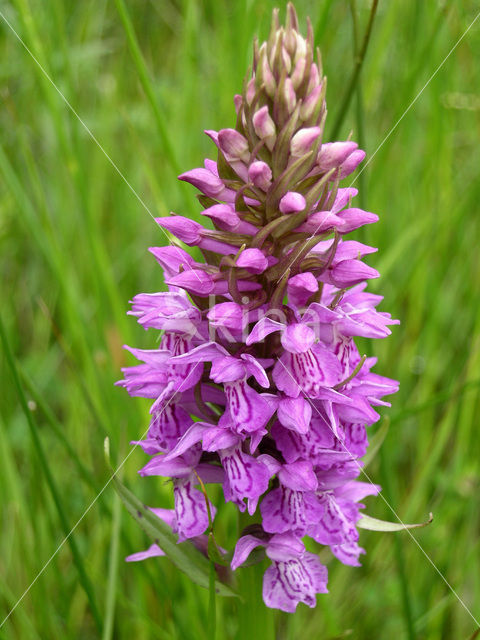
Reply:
x=374, y=524
x=183, y=555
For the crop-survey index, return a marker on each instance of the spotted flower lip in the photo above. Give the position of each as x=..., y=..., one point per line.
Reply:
x=256, y=381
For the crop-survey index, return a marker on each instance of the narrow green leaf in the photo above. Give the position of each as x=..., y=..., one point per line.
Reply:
x=183, y=555
x=374, y=524
x=376, y=442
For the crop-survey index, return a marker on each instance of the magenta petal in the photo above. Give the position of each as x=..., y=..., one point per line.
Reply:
x=217, y=438
x=171, y=258
x=205, y=180
x=351, y=163
x=298, y=338
x=167, y=515
x=207, y=352
x=303, y=140
x=246, y=477
x=184, y=229
x=152, y=551
x=193, y=280
x=260, y=174
x=358, y=490
x=337, y=524
x=190, y=509
x=248, y=409
x=319, y=221
x=150, y=446
x=350, y=249
x=348, y=553
x=350, y=272
x=152, y=357
x=229, y=315
x=160, y=466
x=193, y=435
x=332, y=154
x=285, y=546
x=355, y=218
x=232, y=143
x=285, y=584
x=286, y=510
x=263, y=328
x=298, y=476
x=317, y=571
x=255, y=369
x=292, y=202
x=301, y=287
x=253, y=260
x=295, y=413
x=280, y=590
x=245, y=545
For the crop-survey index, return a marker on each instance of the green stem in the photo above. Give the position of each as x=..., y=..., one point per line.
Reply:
x=399, y=556
x=147, y=85
x=359, y=110
x=356, y=72
x=212, y=605
x=112, y=569
x=67, y=530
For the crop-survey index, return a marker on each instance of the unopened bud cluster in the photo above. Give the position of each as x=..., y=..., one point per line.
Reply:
x=264, y=390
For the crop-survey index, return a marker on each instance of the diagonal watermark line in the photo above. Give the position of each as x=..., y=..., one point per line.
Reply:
x=416, y=97
x=107, y=483
x=75, y=113
x=91, y=134
x=387, y=136
x=355, y=459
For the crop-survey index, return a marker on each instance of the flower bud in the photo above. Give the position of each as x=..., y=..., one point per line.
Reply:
x=251, y=90
x=351, y=163
x=292, y=202
x=350, y=272
x=314, y=80
x=253, y=260
x=287, y=62
x=355, y=218
x=301, y=48
x=171, y=258
x=310, y=103
x=205, y=180
x=267, y=76
x=289, y=95
x=301, y=287
x=333, y=154
x=303, y=141
x=184, y=229
x=233, y=144
x=237, y=101
x=263, y=124
x=260, y=174
x=298, y=73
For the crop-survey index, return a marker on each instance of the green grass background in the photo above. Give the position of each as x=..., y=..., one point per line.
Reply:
x=73, y=251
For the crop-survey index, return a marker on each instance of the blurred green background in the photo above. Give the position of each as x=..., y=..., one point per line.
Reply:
x=73, y=251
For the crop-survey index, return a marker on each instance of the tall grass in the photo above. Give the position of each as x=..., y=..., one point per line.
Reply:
x=147, y=78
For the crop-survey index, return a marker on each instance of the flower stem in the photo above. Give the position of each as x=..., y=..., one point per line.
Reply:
x=212, y=605
x=356, y=72
x=359, y=110
x=385, y=467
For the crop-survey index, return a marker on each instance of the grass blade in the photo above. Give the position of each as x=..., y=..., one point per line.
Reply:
x=77, y=558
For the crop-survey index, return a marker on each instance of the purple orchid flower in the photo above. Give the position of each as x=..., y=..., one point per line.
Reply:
x=257, y=383
x=295, y=574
